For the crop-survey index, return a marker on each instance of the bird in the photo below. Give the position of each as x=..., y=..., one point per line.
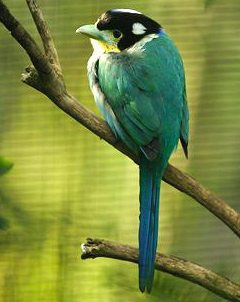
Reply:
x=137, y=78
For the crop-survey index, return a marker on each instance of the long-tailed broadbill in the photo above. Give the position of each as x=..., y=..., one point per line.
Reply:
x=137, y=78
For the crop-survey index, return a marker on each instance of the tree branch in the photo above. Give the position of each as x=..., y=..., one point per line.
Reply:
x=187, y=184
x=47, y=78
x=25, y=40
x=47, y=40
x=173, y=265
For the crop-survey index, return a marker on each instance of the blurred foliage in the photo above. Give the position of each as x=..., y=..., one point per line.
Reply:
x=67, y=185
x=5, y=165
x=208, y=3
x=4, y=223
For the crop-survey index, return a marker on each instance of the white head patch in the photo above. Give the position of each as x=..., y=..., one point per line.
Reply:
x=138, y=29
x=125, y=10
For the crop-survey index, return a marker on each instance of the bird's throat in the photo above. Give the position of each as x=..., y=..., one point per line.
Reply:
x=101, y=47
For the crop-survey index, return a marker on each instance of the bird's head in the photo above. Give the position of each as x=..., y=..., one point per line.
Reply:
x=119, y=29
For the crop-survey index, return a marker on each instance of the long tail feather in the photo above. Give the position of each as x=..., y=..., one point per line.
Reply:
x=149, y=216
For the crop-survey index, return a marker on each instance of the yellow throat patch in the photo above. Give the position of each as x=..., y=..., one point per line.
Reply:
x=101, y=47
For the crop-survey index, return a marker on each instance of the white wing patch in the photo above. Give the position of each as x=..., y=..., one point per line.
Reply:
x=125, y=10
x=138, y=29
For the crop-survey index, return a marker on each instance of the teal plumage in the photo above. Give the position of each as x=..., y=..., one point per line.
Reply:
x=145, y=90
x=141, y=93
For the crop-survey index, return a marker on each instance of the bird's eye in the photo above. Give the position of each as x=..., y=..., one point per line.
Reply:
x=117, y=34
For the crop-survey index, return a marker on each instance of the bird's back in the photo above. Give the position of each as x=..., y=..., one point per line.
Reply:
x=144, y=86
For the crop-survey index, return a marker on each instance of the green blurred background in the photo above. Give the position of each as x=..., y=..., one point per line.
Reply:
x=67, y=185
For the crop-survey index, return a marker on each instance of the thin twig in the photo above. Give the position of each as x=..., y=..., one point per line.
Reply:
x=173, y=265
x=25, y=40
x=53, y=86
x=42, y=27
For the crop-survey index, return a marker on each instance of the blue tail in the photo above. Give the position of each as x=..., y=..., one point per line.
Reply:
x=150, y=178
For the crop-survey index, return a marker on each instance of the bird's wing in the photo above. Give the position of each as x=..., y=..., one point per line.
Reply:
x=185, y=126
x=144, y=90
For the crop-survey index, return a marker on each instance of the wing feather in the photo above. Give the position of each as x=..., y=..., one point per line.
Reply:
x=145, y=91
